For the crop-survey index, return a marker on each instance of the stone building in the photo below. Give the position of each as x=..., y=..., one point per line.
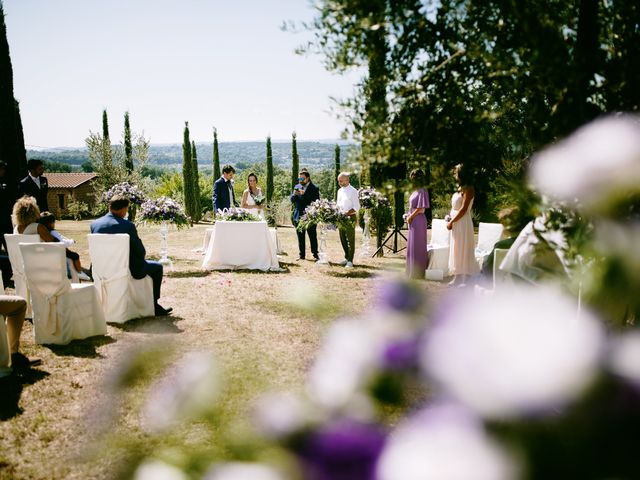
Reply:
x=67, y=187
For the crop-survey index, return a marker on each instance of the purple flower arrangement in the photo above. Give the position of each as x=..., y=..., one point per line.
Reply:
x=163, y=209
x=125, y=189
x=370, y=198
x=322, y=211
x=235, y=214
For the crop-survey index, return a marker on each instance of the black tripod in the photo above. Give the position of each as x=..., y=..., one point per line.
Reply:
x=399, y=221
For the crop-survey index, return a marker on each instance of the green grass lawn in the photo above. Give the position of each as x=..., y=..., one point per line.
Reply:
x=263, y=327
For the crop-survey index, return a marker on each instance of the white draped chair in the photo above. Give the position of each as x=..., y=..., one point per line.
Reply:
x=17, y=265
x=438, y=247
x=62, y=311
x=500, y=277
x=123, y=297
x=488, y=235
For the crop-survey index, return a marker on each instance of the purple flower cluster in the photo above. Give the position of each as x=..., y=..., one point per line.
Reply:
x=235, y=214
x=370, y=198
x=125, y=189
x=163, y=209
x=322, y=211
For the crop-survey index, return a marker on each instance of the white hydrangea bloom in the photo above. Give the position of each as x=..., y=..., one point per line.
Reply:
x=444, y=443
x=520, y=350
x=597, y=163
x=624, y=357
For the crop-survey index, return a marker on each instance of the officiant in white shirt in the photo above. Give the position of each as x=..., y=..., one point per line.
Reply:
x=349, y=204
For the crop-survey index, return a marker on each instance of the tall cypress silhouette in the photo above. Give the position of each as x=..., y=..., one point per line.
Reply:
x=106, y=141
x=269, y=171
x=216, y=156
x=12, y=148
x=295, y=161
x=128, y=149
x=336, y=170
x=187, y=173
x=197, y=208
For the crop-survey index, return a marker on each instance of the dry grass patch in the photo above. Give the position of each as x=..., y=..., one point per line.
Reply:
x=264, y=328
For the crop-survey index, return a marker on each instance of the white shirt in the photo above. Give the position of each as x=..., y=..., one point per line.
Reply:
x=348, y=199
x=35, y=179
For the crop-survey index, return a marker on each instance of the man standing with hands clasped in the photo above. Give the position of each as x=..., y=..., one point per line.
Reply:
x=349, y=204
x=223, y=196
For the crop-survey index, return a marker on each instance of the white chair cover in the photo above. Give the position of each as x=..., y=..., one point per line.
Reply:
x=488, y=235
x=500, y=277
x=62, y=311
x=17, y=265
x=438, y=247
x=123, y=297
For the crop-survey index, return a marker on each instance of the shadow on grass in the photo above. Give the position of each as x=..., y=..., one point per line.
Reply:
x=350, y=274
x=85, y=348
x=11, y=388
x=188, y=274
x=160, y=325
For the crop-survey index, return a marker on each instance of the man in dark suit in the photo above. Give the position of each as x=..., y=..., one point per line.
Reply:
x=304, y=193
x=115, y=222
x=223, y=196
x=35, y=185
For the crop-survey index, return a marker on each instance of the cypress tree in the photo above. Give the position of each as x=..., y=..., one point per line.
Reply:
x=128, y=149
x=295, y=161
x=216, y=156
x=197, y=209
x=12, y=148
x=269, y=171
x=336, y=171
x=106, y=141
x=187, y=173
x=105, y=125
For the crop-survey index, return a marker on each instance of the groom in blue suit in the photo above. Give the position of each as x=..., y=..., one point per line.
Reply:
x=115, y=222
x=223, y=196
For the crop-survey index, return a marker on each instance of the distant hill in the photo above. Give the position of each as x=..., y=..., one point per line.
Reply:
x=315, y=155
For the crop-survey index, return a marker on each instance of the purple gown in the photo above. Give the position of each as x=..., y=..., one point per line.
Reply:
x=417, y=240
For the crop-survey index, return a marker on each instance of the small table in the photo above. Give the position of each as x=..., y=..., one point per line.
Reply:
x=241, y=245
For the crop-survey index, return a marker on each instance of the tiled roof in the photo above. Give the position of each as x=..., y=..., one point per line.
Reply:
x=68, y=180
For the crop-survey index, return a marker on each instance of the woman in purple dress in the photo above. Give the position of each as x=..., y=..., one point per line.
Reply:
x=417, y=222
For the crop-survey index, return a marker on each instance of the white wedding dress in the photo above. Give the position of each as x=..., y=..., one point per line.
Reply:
x=251, y=202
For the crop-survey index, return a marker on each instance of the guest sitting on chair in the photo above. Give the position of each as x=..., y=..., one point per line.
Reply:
x=49, y=220
x=13, y=308
x=115, y=222
x=26, y=216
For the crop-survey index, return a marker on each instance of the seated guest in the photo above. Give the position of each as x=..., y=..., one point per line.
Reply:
x=49, y=221
x=13, y=308
x=26, y=215
x=115, y=222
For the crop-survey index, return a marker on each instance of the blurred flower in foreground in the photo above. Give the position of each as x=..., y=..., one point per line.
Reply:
x=443, y=442
x=280, y=415
x=158, y=470
x=624, y=357
x=519, y=351
x=597, y=165
x=242, y=471
x=187, y=389
x=341, y=450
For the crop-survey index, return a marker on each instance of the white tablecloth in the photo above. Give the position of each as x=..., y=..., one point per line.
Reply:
x=235, y=245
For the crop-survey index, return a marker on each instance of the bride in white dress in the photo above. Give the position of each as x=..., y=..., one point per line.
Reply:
x=250, y=194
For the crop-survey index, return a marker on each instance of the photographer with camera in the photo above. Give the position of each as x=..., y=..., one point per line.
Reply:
x=304, y=193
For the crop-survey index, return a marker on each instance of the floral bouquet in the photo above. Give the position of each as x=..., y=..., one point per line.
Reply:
x=322, y=211
x=135, y=195
x=370, y=198
x=259, y=199
x=234, y=214
x=163, y=209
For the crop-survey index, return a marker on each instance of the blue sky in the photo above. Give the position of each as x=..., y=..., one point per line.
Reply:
x=212, y=62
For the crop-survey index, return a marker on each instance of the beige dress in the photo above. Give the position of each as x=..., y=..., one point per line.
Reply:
x=462, y=258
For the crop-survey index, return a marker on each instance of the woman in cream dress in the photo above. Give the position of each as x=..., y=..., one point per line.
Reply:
x=462, y=259
x=248, y=196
